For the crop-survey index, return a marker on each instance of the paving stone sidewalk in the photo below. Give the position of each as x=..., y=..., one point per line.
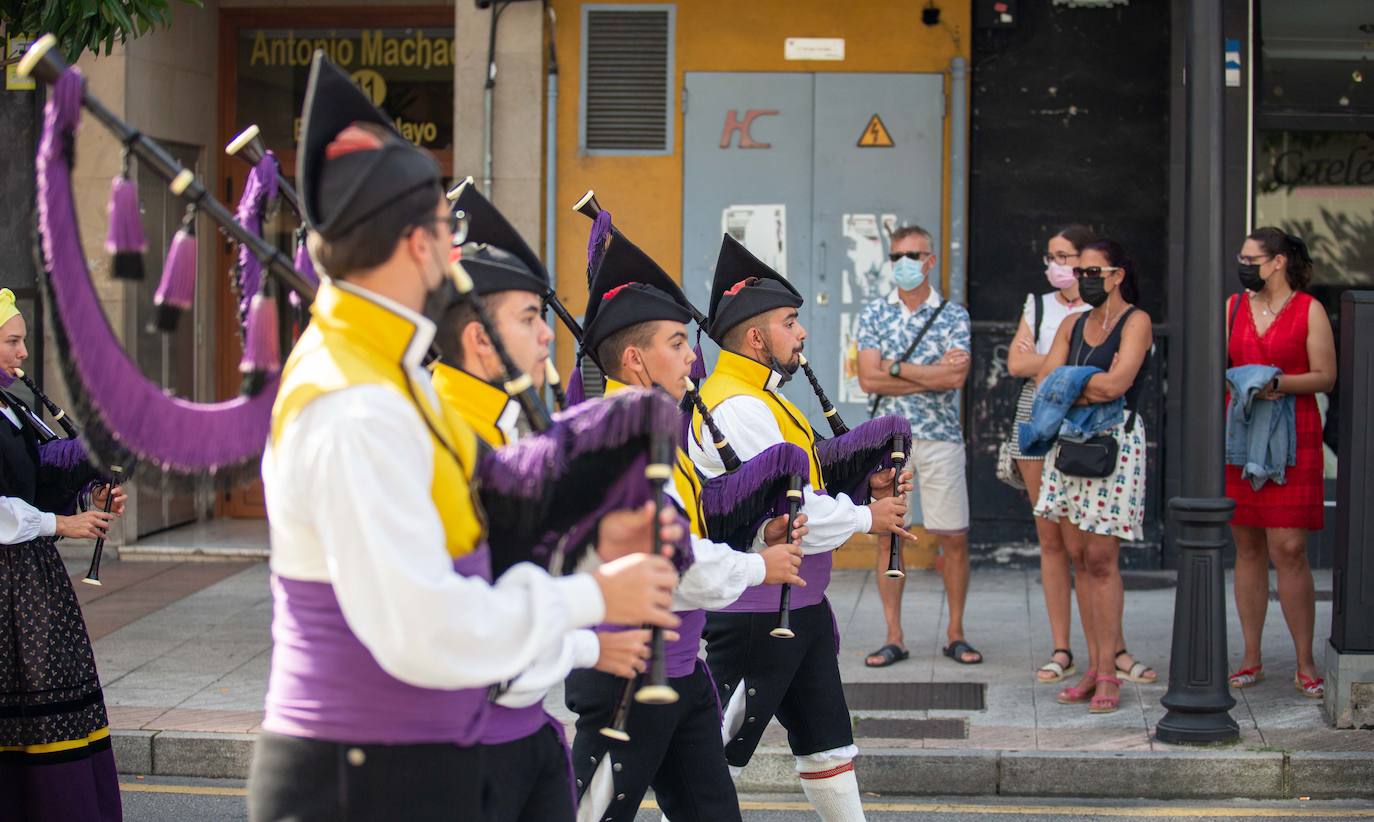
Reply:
x=183, y=650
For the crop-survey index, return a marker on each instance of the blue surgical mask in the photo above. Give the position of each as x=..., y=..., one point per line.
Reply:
x=908, y=273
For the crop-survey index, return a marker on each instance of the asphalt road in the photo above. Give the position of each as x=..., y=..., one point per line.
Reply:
x=164, y=799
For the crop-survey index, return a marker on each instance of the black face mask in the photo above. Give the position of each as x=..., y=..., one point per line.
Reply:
x=1093, y=291
x=1250, y=277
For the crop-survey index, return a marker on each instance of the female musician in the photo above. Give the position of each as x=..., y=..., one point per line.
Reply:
x=55, y=757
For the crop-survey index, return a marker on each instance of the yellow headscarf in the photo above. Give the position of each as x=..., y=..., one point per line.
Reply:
x=8, y=310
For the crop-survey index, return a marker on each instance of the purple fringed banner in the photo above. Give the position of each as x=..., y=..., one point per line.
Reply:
x=554, y=487
x=737, y=503
x=63, y=454
x=849, y=460
x=176, y=434
x=258, y=192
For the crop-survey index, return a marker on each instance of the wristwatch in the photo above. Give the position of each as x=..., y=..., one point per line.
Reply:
x=895, y=369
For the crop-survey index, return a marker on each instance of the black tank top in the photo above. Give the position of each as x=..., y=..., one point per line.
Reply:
x=1081, y=352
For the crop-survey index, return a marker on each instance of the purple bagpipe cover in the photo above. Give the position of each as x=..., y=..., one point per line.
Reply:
x=737, y=503
x=849, y=460
x=64, y=473
x=126, y=416
x=545, y=494
x=258, y=195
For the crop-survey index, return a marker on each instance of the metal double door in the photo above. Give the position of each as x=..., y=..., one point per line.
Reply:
x=812, y=172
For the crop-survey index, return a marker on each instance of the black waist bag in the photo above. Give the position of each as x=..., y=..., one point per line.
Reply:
x=1093, y=458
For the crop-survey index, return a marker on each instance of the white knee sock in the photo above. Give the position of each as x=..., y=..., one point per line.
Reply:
x=834, y=793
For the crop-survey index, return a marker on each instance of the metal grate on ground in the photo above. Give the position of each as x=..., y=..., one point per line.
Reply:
x=916, y=696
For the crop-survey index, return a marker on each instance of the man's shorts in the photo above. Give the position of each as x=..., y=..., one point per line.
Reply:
x=942, y=504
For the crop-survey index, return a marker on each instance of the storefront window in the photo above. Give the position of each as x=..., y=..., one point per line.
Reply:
x=408, y=73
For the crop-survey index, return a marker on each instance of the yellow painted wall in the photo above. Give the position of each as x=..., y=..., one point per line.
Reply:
x=645, y=193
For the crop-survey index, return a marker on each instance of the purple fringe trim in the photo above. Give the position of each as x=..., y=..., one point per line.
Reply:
x=126, y=224
x=63, y=454
x=174, y=433
x=596, y=243
x=737, y=503
x=553, y=476
x=849, y=460
x=258, y=192
x=178, y=286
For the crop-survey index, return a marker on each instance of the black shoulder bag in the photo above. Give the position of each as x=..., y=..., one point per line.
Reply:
x=1095, y=457
x=896, y=368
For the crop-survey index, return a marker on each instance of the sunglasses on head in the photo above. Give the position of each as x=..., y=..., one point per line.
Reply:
x=918, y=256
x=1095, y=271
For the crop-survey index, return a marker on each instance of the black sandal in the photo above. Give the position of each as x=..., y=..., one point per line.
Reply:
x=956, y=650
x=890, y=654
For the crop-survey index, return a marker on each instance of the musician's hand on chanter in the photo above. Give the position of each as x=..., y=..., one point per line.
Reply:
x=889, y=514
x=621, y=533
x=623, y=653
x=775, y=530
x=781, y=563
x=86, y=525
x=101, y=494
x=638, y=590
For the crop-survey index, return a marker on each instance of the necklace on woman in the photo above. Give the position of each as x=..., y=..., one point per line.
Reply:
x=1269, y=310
x=1107, y=318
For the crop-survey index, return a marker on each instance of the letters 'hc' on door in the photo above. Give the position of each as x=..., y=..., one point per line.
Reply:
x=776, y=160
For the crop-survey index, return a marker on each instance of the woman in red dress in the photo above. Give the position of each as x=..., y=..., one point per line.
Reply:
x=1278, y=323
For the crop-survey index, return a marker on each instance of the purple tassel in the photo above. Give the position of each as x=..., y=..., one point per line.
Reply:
x=576, y=394
x=737, y=503
x=258, y=194
x=698, y=373
x=171, y=433
x=177, y=290
x=850, y=460
x=596, y=243
x=304, y=264
x=125, y=239
x=261, y=344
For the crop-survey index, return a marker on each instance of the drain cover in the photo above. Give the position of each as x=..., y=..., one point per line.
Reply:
x=866, y=728
x=915, y=696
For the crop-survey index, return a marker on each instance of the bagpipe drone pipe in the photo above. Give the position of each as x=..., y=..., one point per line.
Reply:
x=129, y=420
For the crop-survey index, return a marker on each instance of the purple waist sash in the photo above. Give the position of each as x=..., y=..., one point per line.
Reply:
x=509, y=724
x=325, y=684
x=815, y=569
x=680, y=657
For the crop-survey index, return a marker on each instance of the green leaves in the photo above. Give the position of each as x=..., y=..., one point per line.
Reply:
x=79, y=25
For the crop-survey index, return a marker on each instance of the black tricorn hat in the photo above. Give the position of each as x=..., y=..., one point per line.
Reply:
x=629, y=288
x=494, y=254
x=743, y=287
x=341, y=193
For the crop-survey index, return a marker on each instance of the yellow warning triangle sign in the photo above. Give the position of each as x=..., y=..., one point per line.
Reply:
x=875, y=134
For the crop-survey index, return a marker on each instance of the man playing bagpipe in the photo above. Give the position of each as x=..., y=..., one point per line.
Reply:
x=387, y=633
x=526, y=757
x=753, y=317
x=636, y=331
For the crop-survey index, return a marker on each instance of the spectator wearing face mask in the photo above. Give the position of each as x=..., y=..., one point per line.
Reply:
x=922, y=386
x=1274, y=322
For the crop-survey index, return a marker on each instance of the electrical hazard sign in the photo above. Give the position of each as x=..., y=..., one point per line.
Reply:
x=875, y=134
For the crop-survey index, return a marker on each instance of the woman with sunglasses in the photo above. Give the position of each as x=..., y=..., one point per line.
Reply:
x=1095, y=514
x=1040, y=321
x=1274, y=321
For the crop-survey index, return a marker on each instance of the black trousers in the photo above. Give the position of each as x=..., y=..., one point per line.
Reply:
x=529, y=780
x=309, y=780
x=674, y=748
x=797, y=679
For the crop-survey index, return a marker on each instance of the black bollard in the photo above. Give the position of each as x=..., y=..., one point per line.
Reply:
x=1198, y=698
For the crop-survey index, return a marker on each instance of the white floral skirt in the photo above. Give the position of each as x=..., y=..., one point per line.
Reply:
x=1110, y=506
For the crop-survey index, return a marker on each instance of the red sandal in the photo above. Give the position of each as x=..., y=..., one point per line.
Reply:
x=1246, y=677
x=1311, y=687
x=1080, y=693
x=1106, y=704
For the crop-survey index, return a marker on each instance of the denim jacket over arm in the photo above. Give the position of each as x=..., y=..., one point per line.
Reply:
x=1261, y=435
x=1054, y=414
